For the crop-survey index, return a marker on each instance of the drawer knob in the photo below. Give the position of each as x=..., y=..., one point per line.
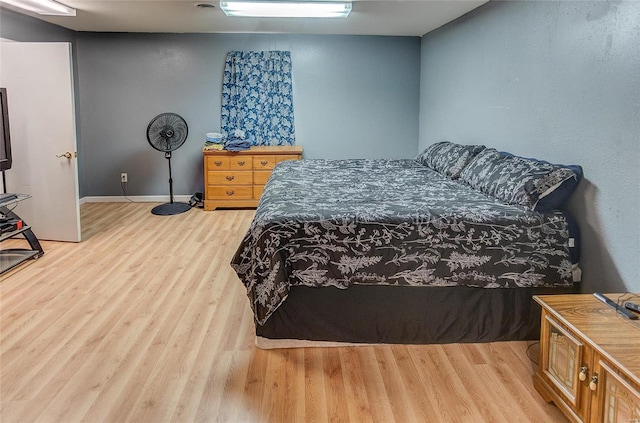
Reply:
x=230, y=177
x=230, y=192
x=583, y=373
x=263, y=162
x=594, y=383
x=218, y=163
x=241, y=163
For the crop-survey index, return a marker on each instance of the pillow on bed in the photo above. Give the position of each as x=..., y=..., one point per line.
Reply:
x=535, y=184
x=554, y=190
x=448, y=158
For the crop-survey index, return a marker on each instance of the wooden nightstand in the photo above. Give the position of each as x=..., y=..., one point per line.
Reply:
x=237, y=179
x=589, y=359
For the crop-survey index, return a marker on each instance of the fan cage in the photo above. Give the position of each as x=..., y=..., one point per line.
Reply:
x=167, y=132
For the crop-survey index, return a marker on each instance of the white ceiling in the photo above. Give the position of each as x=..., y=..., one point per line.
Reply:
x=368, y=17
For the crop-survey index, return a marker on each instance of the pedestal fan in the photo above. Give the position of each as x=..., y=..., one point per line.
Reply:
x=167, y=132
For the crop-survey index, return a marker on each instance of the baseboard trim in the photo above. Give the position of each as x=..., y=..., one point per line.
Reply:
x=133, y=199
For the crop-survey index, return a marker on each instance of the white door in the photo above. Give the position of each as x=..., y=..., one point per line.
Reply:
x=39, y=82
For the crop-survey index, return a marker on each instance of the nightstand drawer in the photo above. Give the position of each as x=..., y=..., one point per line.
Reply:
x=229, y=178
x=230, y=193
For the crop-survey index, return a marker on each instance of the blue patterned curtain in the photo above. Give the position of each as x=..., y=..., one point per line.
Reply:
x=257, y=97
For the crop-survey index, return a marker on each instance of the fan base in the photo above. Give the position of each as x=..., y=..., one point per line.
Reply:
x=169, y=209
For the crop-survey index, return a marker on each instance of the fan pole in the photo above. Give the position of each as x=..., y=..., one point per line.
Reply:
x=168, y=156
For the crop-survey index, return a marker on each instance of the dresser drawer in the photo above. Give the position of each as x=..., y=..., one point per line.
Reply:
x=257, y=191
x=240, y=163
x=217, y=163
x=260, y=177
x=228, y=162
x=229, y=178
x=229, y=192
x=264, y=162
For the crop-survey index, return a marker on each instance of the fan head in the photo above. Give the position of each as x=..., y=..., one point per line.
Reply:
x=167, y=132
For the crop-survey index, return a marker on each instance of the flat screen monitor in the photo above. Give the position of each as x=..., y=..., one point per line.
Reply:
x=5, y=136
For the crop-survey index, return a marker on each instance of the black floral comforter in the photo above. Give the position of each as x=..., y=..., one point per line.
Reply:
x=391, y=222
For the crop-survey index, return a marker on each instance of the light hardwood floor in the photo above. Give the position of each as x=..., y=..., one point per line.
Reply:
x=145, y=321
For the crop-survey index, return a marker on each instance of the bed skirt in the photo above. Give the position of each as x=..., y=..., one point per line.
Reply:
x=364, y=314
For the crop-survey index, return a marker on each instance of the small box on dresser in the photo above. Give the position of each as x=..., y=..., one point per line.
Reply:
x=237, y=179
x=589, y=359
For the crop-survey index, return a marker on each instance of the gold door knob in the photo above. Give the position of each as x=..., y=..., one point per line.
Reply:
x=594, y=383
x=67, y=155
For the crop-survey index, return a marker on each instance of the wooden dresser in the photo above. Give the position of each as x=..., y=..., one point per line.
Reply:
x=589, y=359
x=237, y=179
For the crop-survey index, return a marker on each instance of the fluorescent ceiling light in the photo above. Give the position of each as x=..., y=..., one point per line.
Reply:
x=286, y=9
x=42, y=7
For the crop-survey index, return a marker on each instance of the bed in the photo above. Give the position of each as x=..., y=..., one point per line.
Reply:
x=447, y=247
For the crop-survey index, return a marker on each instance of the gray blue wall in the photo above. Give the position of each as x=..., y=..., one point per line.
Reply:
x=354, y=96
x=558, y=81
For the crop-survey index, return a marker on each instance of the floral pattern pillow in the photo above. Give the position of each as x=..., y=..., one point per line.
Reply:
x=515, y=180
x=448, y=158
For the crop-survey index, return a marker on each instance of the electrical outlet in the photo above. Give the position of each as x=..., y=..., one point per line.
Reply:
x=124, y=177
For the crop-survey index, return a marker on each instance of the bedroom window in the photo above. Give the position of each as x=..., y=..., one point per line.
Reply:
x=257, y=97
